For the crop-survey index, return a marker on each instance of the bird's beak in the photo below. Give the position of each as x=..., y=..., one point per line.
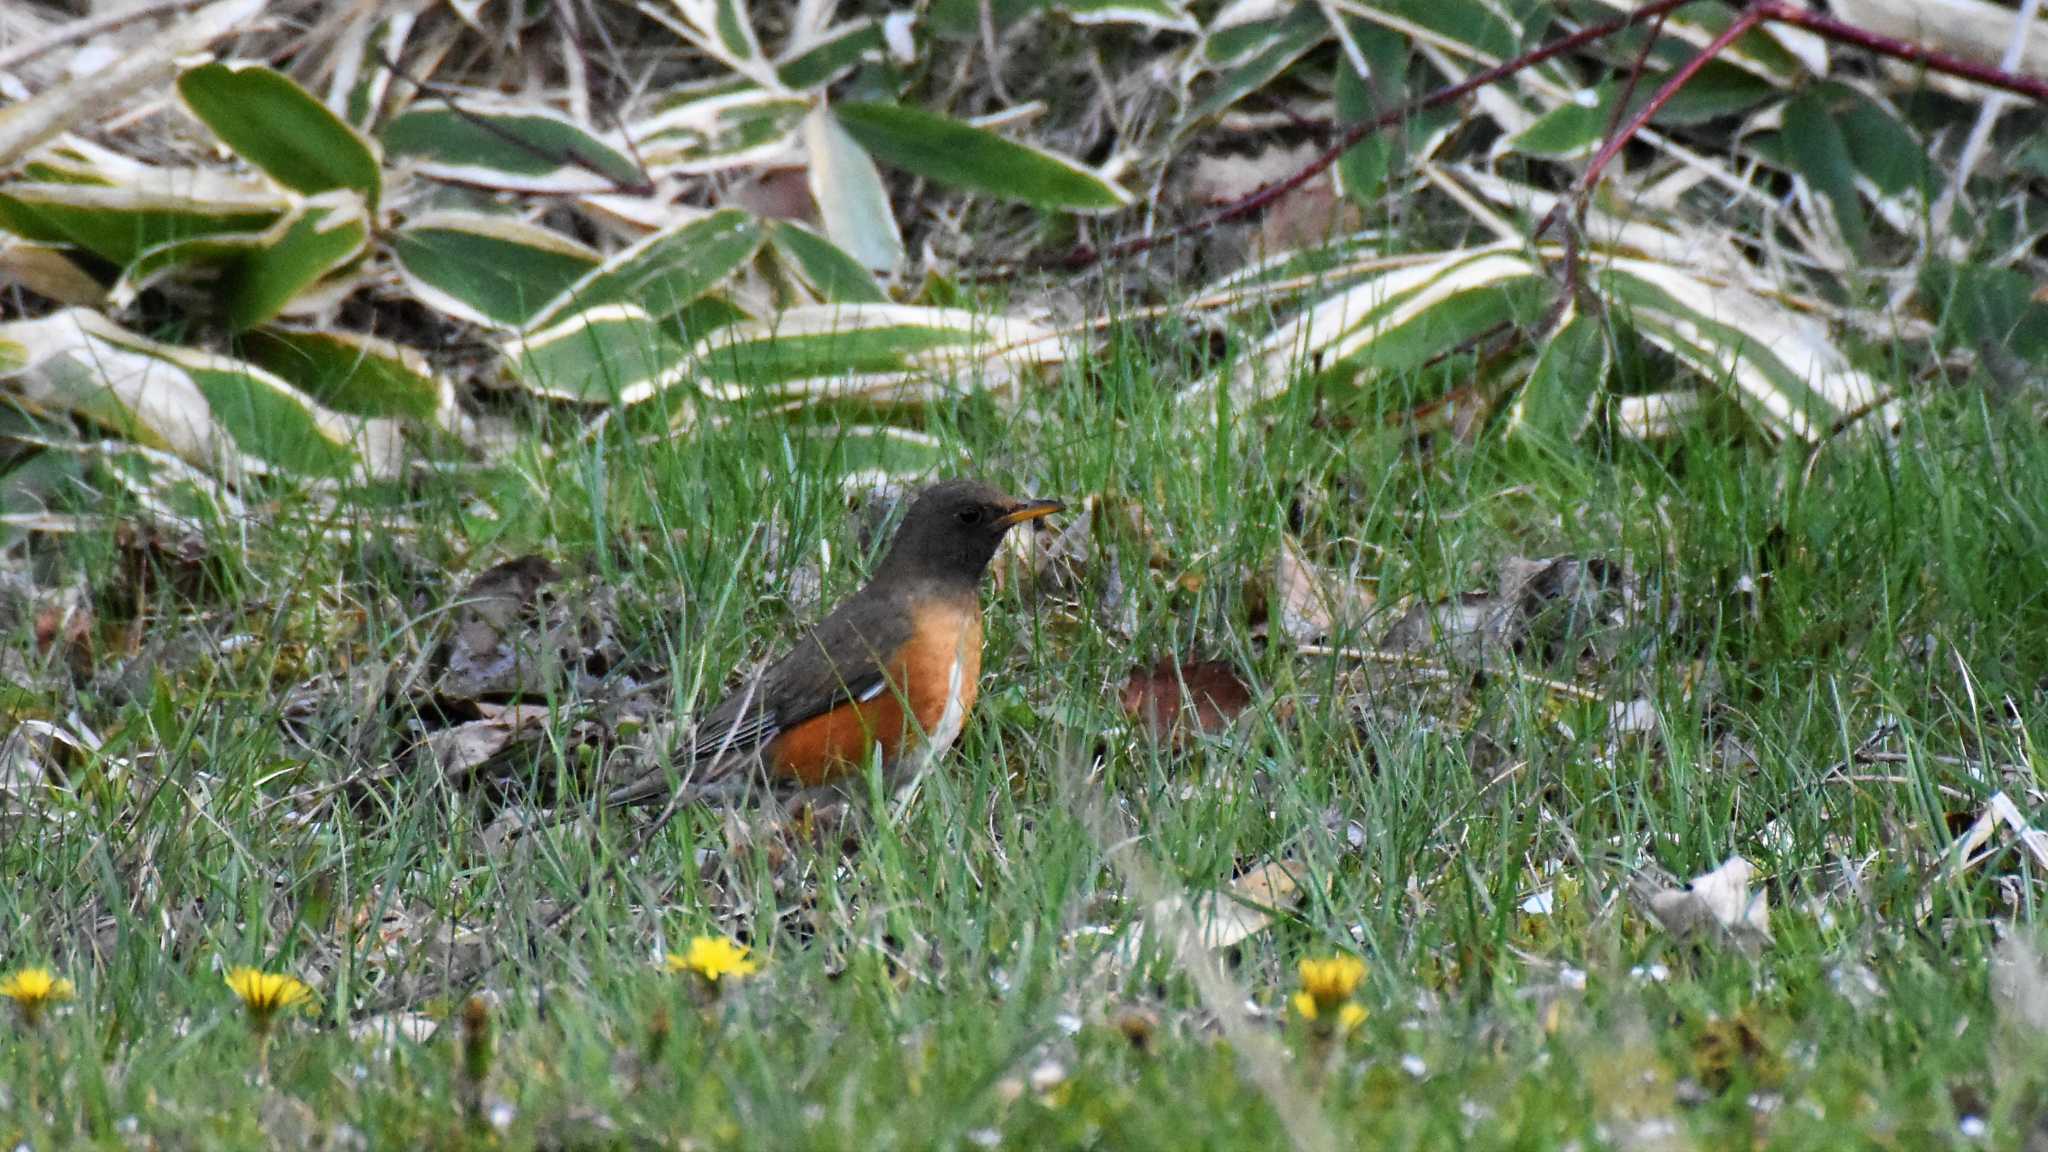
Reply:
x=1025, y=510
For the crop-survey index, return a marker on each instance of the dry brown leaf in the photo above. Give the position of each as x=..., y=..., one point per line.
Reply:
x=460, y=751
x=1172, y=700
x=1309, y=604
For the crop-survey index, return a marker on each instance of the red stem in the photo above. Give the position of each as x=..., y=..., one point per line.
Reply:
x=1663, y=95
x=1906, y=50
x=1084, y=255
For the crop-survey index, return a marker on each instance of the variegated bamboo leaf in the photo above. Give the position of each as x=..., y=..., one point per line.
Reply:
x=963, y=156
x=213, y=411
x=354, y=373
x=612, y=354
x=885, y=352
x=282, y=129
x=520, y=148
x=850, y=195
x=497, y=271
x=665, y=272
x=120, y=223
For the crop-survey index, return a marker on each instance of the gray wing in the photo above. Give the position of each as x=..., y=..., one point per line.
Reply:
x=790, y=691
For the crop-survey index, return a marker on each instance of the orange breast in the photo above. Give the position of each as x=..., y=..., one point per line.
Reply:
x=937, y=672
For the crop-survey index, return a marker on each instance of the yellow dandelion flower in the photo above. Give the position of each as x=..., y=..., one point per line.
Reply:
x=265, y=994
x=713, y=957
x=34, y=989
x=1330, y=982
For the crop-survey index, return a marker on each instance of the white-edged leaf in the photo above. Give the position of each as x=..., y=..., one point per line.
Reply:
x=716, y=132
x=282, y=129
x=961, y=155
x=612, y=354
x=1556, y=401
x=864, y=455
x=811, y=60
x=497, y=271
x=261, y=274
x=119, y=224
x=512, y=147
x=1346, y=324
x=850, y=195
x=1779, y=360
x=831, y=274
x=890, y=352
x=1155, y=15
x=665, y=272
x=360, y=80
x=213, y=411
x=354, y=373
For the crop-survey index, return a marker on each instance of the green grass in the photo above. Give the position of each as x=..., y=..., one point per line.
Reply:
x=912, y=988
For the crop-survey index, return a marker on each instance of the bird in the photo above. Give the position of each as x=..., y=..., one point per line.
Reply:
x=895, y=666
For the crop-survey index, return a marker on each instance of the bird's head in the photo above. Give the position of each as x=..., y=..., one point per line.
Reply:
x=954, y=527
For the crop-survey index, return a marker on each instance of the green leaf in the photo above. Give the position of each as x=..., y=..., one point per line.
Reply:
x=282, y=129
x=353, y=373
x=213, y=411
x=850, y=195
x=1556, y=402
x=325, y=237
x=893, y=352
x=1572, y=129
x=666, y=271
x=528, y=148
x=831, y=54
x=615, y=354
x=1979, y=305
x=491, y=270
x=1290, y=39
x=1883, y=149
x=963, y=156
x=1817, y=150
x=120, y=224
x=1362, y=170
x=1476, y=25
x=716, y=131
x=867, y=452
x=824, y=266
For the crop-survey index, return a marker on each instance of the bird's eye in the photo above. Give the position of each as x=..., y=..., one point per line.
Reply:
x=969, y=515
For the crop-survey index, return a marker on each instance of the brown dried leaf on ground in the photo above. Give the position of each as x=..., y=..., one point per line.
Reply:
x=1716, y=905
x=1310, y=604
x=1561, y=608
x=459, y=751
x=516, y=636
x=1172, y=700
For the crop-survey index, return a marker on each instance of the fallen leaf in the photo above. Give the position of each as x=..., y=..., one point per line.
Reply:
x=1717, y=904
x=1309, y=604
x=1172, y=700
x=459, y=751
x=1559, y=608
x=516, y=635
x=1226, y=917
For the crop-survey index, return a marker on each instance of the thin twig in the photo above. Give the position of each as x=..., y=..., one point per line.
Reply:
x=1085, y=256
x=91, y=26
x=569, y=154
x=1616, y=142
